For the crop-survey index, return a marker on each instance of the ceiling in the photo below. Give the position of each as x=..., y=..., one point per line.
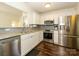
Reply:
x=39, y=6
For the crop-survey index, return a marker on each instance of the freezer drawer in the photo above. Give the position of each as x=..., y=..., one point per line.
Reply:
x=73, y=42
x=69, y=41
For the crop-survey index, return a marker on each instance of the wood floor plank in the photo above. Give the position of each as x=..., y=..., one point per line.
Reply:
x=49, y=49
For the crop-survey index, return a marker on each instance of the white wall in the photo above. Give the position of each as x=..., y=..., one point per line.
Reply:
x=7, y=19
x=62, y=12
x=25, y=9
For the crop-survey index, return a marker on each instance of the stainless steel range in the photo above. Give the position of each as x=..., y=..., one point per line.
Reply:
x=48, y=33
x=48, y=36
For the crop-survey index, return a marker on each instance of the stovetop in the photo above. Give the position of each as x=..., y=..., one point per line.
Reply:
x=48, y=31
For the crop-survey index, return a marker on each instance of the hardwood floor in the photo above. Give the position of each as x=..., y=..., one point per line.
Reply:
x=49, y=49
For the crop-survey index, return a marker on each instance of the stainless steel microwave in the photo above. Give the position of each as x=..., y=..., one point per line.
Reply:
x=49, y=22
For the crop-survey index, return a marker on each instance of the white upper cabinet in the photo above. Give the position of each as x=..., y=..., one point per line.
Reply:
x=41, y=21
x=36, y=17
x=61, y=20
x=31, y=18
x=56, y=20
x=27, y=18
x=24, y=18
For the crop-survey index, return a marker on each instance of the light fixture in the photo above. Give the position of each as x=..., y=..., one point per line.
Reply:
x=47, y=5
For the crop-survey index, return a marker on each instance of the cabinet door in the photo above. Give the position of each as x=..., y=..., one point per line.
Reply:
x=25, y=44
x=55, y=20
x=37, y=37
x=62, y=20
x=40, y=36
x=56, y=37
x=37, y=21
x=36, y=18
x=28, y=42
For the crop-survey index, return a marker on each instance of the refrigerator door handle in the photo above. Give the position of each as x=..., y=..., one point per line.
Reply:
x=67, y=24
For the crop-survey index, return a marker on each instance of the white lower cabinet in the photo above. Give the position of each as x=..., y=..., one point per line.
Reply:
x=55, y=37
x=40, y=36
x=29, y=41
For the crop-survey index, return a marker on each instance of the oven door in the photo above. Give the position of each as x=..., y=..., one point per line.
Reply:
x=47, y=35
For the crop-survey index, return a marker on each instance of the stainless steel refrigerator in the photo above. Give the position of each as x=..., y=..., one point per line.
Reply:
x=69, y=31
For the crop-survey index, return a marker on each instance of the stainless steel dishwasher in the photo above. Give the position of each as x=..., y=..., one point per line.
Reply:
x=10, y=46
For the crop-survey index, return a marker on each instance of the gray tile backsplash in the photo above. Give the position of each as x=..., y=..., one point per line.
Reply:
x=17, y=29
x=46, y=27
x=7, y=30
x=22, y=29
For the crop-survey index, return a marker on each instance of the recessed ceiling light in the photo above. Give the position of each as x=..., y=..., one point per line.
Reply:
x=47, y=5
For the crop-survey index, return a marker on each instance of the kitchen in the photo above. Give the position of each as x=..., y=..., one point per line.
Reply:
x=38, y=29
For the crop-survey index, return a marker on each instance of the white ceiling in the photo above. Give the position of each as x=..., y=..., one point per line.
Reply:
x=39, y=6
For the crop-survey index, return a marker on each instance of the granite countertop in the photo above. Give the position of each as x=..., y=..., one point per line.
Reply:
x=7, y=35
